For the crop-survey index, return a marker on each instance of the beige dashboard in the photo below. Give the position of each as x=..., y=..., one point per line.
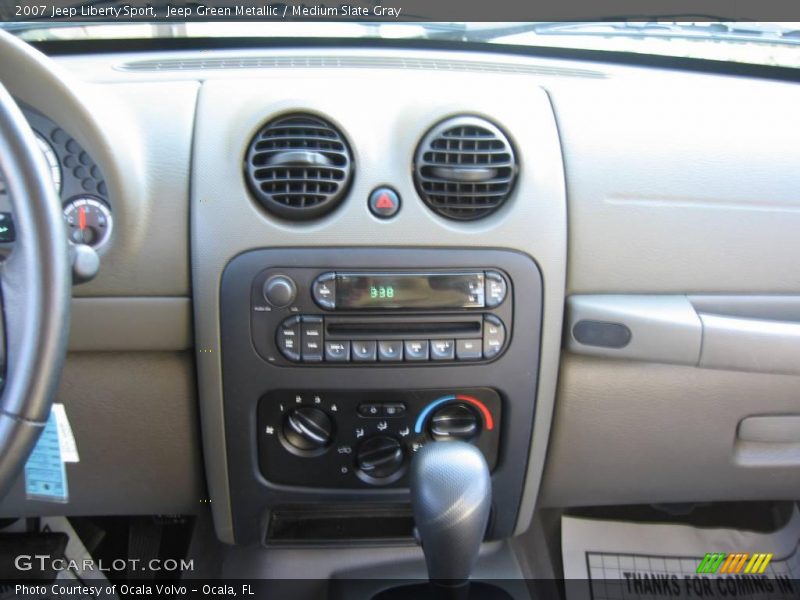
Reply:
x=635, y=181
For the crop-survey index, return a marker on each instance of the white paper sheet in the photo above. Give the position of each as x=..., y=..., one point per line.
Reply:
x=618, y=560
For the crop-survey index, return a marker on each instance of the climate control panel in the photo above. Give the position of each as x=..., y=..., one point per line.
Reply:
x=358, y=439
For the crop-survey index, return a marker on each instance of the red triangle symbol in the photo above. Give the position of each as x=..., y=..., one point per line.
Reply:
x=384, y=201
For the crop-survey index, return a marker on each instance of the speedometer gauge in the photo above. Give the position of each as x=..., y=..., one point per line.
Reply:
x=89, y=221
x=50, y=157
x=52, y=161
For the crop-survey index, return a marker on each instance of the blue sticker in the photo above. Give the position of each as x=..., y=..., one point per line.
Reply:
x=45, y=475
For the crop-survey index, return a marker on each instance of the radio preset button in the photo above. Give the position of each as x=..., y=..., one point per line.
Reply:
x=312, y=339
x=468, y=349
x=324, y=290
x=390, y=351
x=364, y=351
x=337, y=351
x=496, y=289
x=288, y=338
x=494, y=336
x=416, y=349
x=443, y=349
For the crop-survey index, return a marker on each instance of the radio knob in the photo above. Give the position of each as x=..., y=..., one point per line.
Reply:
x=280, y=291
x=454, y=422
x=307, y=428
x=380, y=456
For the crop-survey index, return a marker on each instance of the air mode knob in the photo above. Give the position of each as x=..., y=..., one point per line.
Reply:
x=454, y=422
x=380, y=457
x=307, y=428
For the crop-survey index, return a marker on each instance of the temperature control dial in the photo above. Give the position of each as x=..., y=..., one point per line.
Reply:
x=89, y=221
x=307, y=428
x=454, y=422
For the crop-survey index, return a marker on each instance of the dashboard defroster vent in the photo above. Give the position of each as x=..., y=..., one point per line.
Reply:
x=465, y=168
x=298, y=166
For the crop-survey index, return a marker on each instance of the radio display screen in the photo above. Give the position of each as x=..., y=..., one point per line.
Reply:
x=409, y=290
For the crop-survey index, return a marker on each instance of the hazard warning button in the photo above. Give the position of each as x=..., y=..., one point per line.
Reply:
x=384, y=202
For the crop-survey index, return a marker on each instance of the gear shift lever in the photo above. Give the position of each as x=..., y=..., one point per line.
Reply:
x=451, y=494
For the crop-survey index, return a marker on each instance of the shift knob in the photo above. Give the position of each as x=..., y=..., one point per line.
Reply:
x=451, y=494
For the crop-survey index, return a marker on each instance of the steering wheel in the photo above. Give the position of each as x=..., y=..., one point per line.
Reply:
x=36, y=290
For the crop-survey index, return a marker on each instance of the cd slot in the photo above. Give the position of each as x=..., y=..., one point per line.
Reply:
x=398, y=328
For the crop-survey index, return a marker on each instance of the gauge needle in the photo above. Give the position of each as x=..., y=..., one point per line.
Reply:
x=82, y=222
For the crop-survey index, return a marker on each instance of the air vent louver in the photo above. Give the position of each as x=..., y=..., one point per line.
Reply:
x=465, y=168
x=298, y=166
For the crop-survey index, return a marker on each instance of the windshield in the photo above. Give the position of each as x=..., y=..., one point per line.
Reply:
x=776, y=44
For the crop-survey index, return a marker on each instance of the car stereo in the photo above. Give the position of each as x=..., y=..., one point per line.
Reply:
x=354, y=317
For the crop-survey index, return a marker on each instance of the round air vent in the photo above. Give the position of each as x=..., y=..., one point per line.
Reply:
x=465, y=168
x=298, y=166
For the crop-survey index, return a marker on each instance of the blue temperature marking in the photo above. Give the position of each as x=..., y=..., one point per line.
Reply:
x=424, y=414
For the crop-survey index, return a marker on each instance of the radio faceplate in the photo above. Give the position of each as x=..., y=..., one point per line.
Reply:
x=403, y=290
x=361, y=318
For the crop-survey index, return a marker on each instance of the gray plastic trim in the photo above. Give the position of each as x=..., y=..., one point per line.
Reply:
x=226, y=222
x=666, y=196
x=758, y=333
x=776, y=429
x=135, y=422
x=776, y=308
x=768, y=441
x=766, y=455
x=630, y=432
x=248, y=376
x=663, y=328
x=600, y=333
x=318, y=566
x=228, y=61
x=238, y=63
x=125, y=324
x=750, y=344
x=743, y=333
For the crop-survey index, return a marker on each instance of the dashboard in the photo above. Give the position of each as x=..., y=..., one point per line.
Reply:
x=331, y=260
